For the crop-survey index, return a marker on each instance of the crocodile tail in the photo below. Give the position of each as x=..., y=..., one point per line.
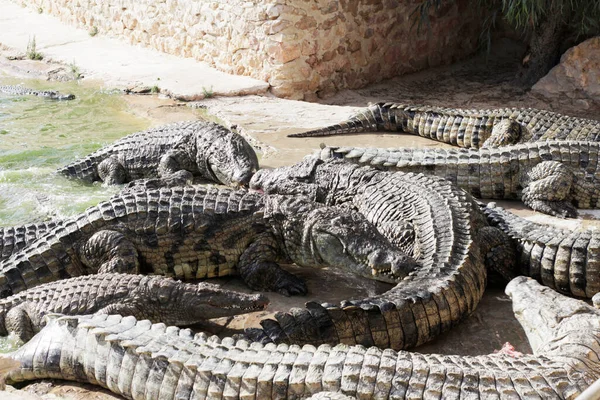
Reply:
x=369, y=119
x=85, y=169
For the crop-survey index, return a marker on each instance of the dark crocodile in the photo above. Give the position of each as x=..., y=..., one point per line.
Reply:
x=136, y=359
x=452, y=244
x=156, y=298
x=203, y=149
x=564, y=259
x=465, y=128
x=553, y=177
x=201, y=232
x=22, y=91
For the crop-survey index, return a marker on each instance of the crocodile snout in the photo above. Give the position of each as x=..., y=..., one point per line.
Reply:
x=391, y=264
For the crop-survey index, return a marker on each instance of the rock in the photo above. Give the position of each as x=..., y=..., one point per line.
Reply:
x=577, y=76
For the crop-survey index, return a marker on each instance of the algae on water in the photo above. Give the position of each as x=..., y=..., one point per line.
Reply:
x=38, y=135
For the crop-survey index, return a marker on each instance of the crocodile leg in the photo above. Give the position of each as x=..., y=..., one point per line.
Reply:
x=110, y=251
x=112, y=172
x=258, y=270
x=501, y=256
x=172, y=162
x=504, y=133
x=18, y=320
x=178, y=179
x=549, y=189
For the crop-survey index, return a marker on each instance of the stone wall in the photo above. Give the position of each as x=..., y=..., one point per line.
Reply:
x=303, y=48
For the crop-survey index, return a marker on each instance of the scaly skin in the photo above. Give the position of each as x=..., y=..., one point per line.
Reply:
x=202, y=232
x=14, y=239
x=553, y=177
x=452, y=242
x=139, y=360
x=465, y=128
x=156, y=298
x=190, y=148
x=565, y=260
x=22, y=91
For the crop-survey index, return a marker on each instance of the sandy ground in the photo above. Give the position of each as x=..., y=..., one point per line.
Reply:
x=266, y=121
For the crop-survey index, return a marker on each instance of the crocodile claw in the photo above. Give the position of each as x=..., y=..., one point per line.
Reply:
x=289, y=285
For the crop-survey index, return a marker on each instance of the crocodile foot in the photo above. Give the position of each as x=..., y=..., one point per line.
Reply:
x=179, y=178
x=548, y=189
x=563, y=209
x=268, y=276
x=289, y=285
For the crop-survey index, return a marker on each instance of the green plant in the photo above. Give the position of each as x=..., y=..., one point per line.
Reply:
x=40, y=10
x=155, y=89
x=208, y=93
x=75, y=71
x=31, y=52
x=548, y=24
x=93, y=31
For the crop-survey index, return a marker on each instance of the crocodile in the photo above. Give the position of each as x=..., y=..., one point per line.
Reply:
x=454, y=243
x=156, y=298
x=465, y=128
x=554, y=177
x=141, y=360
x=564, y=259
x=204, y=149
x=198, y=232
x=19, y=90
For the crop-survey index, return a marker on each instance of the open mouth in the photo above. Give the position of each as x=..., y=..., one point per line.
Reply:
x=212, y=174
x=385, y=272
x=260, y=305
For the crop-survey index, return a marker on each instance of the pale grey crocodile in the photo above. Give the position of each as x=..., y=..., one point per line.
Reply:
x=19, y=90
x=453, y=242
x=554, y=177
x=465, y=128
x=198, y=148
x=198, y=232
x=139, y=360
x=156, y=298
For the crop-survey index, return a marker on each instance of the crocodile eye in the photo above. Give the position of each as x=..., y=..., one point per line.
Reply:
x=163, y=298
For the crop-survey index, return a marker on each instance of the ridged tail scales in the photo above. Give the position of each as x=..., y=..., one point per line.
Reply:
x=565, y=260
x=13, y=239
x=469, y=128
x=137, y=359
x=464, y=128
x=430, y=300
x=85, y=169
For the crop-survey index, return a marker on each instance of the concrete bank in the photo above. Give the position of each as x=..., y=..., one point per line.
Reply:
x=303, y=49
x=114, y=62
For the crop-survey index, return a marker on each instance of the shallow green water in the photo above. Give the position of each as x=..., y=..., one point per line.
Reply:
x=37, y=136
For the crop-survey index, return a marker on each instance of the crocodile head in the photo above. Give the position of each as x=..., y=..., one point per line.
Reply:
x=232, y=161
x=177, y=303
x=345, y=239
x=556, y=325
x=337, y=237
x=54, y=95
x=298, y=179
